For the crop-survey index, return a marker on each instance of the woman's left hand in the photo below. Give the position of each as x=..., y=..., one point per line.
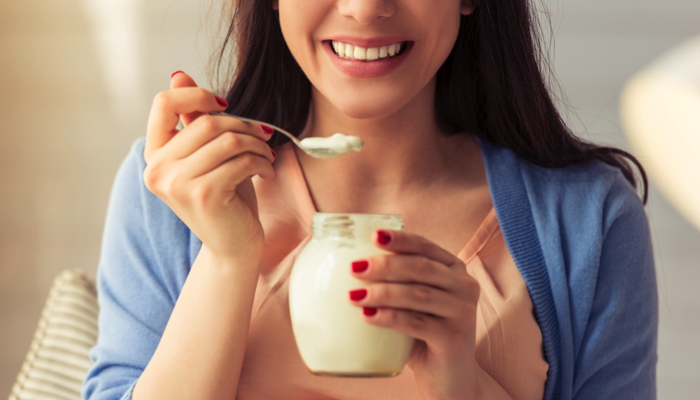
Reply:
x=425, y=292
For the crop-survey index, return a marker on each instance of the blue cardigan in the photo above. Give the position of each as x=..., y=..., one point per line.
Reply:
x=578, y=235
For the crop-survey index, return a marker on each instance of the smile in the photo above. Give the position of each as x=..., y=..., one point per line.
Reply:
x=375, y=60
x=357, y=53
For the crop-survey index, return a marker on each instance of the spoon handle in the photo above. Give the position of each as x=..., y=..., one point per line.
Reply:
x=277, y=128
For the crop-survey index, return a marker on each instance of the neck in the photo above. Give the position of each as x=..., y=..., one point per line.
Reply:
x=405, y=153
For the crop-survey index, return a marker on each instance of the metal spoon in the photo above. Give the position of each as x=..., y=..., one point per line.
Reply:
x=329, y=147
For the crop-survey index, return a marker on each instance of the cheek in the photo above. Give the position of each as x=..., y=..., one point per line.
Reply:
x=299, y=20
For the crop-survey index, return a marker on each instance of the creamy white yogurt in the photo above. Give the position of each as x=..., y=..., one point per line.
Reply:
x=332, y=146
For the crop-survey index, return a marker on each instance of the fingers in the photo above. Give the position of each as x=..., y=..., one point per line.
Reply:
x=414, y=297
x=205, y=129
x=433, y=330
x=179, y=80
x=226, y=178
x=214, y=189
x=404, y=268
x=423, y=312
x=166, y=110
x=225, y=147
x=421, y=290
x=406, y=243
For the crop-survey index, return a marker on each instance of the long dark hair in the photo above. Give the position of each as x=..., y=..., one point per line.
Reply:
x=491, y=85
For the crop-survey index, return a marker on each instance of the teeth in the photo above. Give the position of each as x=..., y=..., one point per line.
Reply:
x=349, y=50
x=372, y=54
x=365, y=54
x=360, y=53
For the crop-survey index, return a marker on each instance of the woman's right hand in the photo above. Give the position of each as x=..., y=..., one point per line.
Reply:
x=203, y=171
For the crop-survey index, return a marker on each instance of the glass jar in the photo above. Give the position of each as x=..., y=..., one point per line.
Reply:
x=330, y=332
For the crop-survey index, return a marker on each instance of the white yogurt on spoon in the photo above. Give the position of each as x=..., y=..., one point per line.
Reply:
x=318, y=147
x=332, y=146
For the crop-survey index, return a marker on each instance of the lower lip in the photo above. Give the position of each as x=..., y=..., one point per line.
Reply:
x=367, y=69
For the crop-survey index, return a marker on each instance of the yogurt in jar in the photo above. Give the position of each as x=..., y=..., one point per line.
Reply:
x=331, y=335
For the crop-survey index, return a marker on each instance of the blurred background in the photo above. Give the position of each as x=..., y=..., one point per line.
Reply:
x=76, y=82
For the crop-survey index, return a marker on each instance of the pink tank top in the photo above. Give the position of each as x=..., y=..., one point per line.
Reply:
x=508, y=339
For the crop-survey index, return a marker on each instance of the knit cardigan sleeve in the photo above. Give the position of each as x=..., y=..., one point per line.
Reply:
x=596, y=243
x=615, y=354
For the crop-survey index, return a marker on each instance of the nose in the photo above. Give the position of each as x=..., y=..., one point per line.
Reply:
x=366, y=11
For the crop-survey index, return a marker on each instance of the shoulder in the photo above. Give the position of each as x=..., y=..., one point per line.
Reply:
x=579, y=192
x=589, y=195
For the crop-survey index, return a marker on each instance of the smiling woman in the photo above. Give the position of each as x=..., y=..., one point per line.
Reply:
x=524, y=262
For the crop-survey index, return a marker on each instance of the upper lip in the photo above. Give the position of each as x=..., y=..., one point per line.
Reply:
x=369, y=42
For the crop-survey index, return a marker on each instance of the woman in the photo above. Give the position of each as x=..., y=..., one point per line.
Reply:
x=525, y=269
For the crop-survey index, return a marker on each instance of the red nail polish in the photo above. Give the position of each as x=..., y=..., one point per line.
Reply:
x=369, y=311
x=222, y=102
x=383, y=237
x=358, y=294
x=175, y=73
x=273, y=153
x=267, y=129
x=359, y=266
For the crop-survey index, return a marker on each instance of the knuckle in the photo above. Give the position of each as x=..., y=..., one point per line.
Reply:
x=472, y=284
x=424, y=266
x=229, y=141
x=150, y=177
x=379, y=264
x=202, y=194
x=417, y=321
x=424, y=244
x=421, y=293
x=161, y=100
x=380, y=293
x=170, y=188
x=473, y=289
x=455, y=334
x=246, y=161
x=155, y=178
x=393, y=317
x=207, y=123
x=418, y=243
x=203, y=94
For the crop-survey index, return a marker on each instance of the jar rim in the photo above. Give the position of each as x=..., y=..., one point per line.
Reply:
x=327, y=214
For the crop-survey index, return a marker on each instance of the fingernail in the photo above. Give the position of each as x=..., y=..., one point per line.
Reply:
x=273, y=153
x=175, y=73
x=222, y=102
x=369, y=311
x=358, y=294
x=383, y=237
x=267, y=129
x=359, y=266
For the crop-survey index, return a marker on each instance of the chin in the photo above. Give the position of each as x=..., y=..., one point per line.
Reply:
x=373, y=109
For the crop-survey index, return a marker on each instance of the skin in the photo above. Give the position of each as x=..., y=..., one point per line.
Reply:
x=422, y=289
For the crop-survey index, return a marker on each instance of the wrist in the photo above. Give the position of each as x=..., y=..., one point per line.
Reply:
x=227, y=264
